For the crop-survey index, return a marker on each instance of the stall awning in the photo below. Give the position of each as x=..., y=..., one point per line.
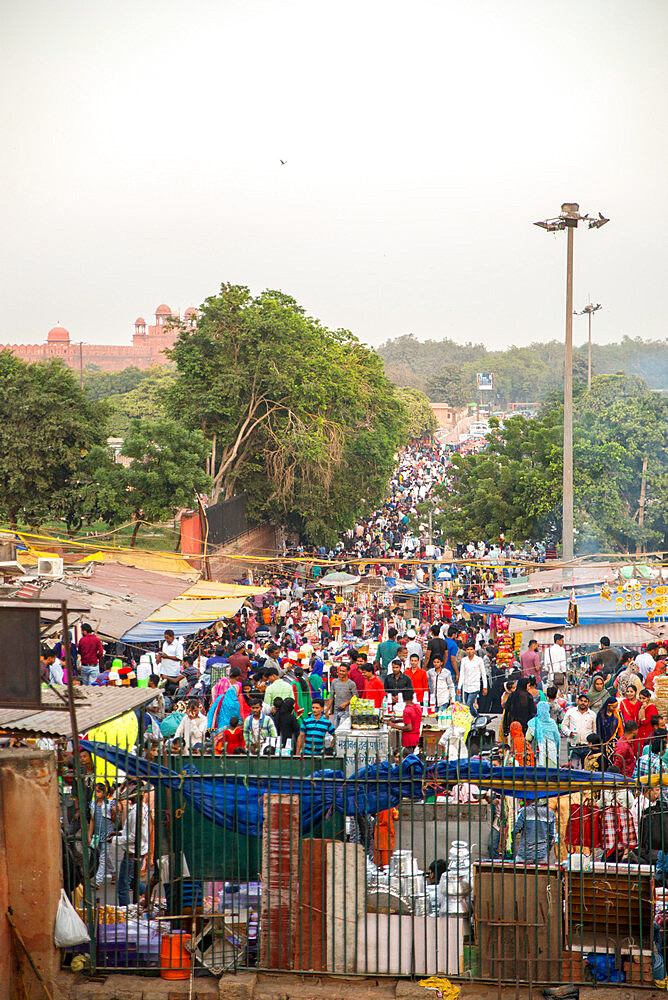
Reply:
x=94, y=706
x=211, y=589
x=619, y=634
x=593, y=609
x=184, y=617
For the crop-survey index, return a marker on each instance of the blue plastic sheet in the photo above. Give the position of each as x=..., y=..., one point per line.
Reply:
x=236, y=802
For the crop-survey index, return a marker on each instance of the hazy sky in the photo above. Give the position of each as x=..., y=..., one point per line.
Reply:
x=141, y=145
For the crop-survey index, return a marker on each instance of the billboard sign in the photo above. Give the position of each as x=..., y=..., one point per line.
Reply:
x=485, y=381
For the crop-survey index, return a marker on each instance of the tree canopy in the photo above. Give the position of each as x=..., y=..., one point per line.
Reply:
x=300, y=416
x=515, y=484
x=446, y=370
x=47, y=426
x=422, y=420
x=56, y=463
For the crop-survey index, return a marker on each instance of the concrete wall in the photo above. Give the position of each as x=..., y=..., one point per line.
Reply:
x=30, y=865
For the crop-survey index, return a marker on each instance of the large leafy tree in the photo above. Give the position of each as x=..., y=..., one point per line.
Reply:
x=422, y=420
x=515, y=484
x=165, y=472
x=301, y=416
x=47, y=426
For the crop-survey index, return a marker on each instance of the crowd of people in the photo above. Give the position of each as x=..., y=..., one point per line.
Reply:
x=280, y=677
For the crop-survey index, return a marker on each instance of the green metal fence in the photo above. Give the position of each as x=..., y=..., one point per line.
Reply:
x=217, y=863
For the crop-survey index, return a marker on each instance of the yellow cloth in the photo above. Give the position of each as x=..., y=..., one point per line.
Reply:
x=121, y=732
x=444, y=987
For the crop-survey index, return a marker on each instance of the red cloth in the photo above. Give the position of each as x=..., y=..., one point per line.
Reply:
x=91, y=650
x=629, y=709
x=412, y=717
x=419, y=681
x=624, y=757
x=584, y=826
x=645, y=728
x=659, y=669
x=375, y=689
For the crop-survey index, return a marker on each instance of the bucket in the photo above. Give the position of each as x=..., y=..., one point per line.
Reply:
x=174, y=956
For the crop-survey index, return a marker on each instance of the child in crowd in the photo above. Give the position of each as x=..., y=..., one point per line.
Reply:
x=232, y=739
x=101, y=827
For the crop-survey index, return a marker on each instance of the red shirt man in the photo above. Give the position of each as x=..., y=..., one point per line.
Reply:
x=91, y=650
x=373, y=687
x=418, y=678
x=241, y=659
x=410, y=727
x=530, y=660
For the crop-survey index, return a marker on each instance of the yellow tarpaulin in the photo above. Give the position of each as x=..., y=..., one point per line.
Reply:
x=121, y=732
x=188, y=610
x=156, y=562
x=213, y=589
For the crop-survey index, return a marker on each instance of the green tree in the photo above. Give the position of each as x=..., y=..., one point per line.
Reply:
x=166, y=471
x=422, y=420
x=47, y=426
x=454, y=385
x=144, y=402
x=288, y=406
x=99, y=384
x=515, y=484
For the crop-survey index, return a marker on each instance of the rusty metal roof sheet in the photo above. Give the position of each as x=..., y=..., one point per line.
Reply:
x=94, y=705
x=119, y=597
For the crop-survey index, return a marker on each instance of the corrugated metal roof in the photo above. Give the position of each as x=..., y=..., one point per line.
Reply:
x=94, y=705
x=118, y=596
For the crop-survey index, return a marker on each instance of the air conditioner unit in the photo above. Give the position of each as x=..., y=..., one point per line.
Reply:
x=50, y=567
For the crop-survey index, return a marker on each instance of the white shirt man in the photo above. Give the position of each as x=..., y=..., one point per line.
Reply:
x=646, y=662
x=413, y=646
x=283, y=608
x=171, y=656
x=554, y=660
x=472, y=673
x=579, y=722
x=441, y=685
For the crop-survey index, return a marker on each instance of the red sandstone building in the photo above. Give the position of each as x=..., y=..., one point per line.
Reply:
x=148, y=345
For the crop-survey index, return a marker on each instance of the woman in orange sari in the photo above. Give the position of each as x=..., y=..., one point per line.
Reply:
x=519, y=753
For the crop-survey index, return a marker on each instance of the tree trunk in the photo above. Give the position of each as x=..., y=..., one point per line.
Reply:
x=14, y=518
x=133, y=540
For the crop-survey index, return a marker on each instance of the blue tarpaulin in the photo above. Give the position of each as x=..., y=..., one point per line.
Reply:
x=593, y=609
x=519, y=782
x=236, y=802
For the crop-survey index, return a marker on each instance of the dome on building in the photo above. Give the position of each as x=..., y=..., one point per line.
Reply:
x=58, y=335
x=163, y=310
x=190, y=311
x=140, y=321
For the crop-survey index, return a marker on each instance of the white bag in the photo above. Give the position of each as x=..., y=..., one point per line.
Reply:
x=70, y=929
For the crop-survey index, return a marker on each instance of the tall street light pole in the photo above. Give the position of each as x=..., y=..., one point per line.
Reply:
x=568, y=220
x=589, y=311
